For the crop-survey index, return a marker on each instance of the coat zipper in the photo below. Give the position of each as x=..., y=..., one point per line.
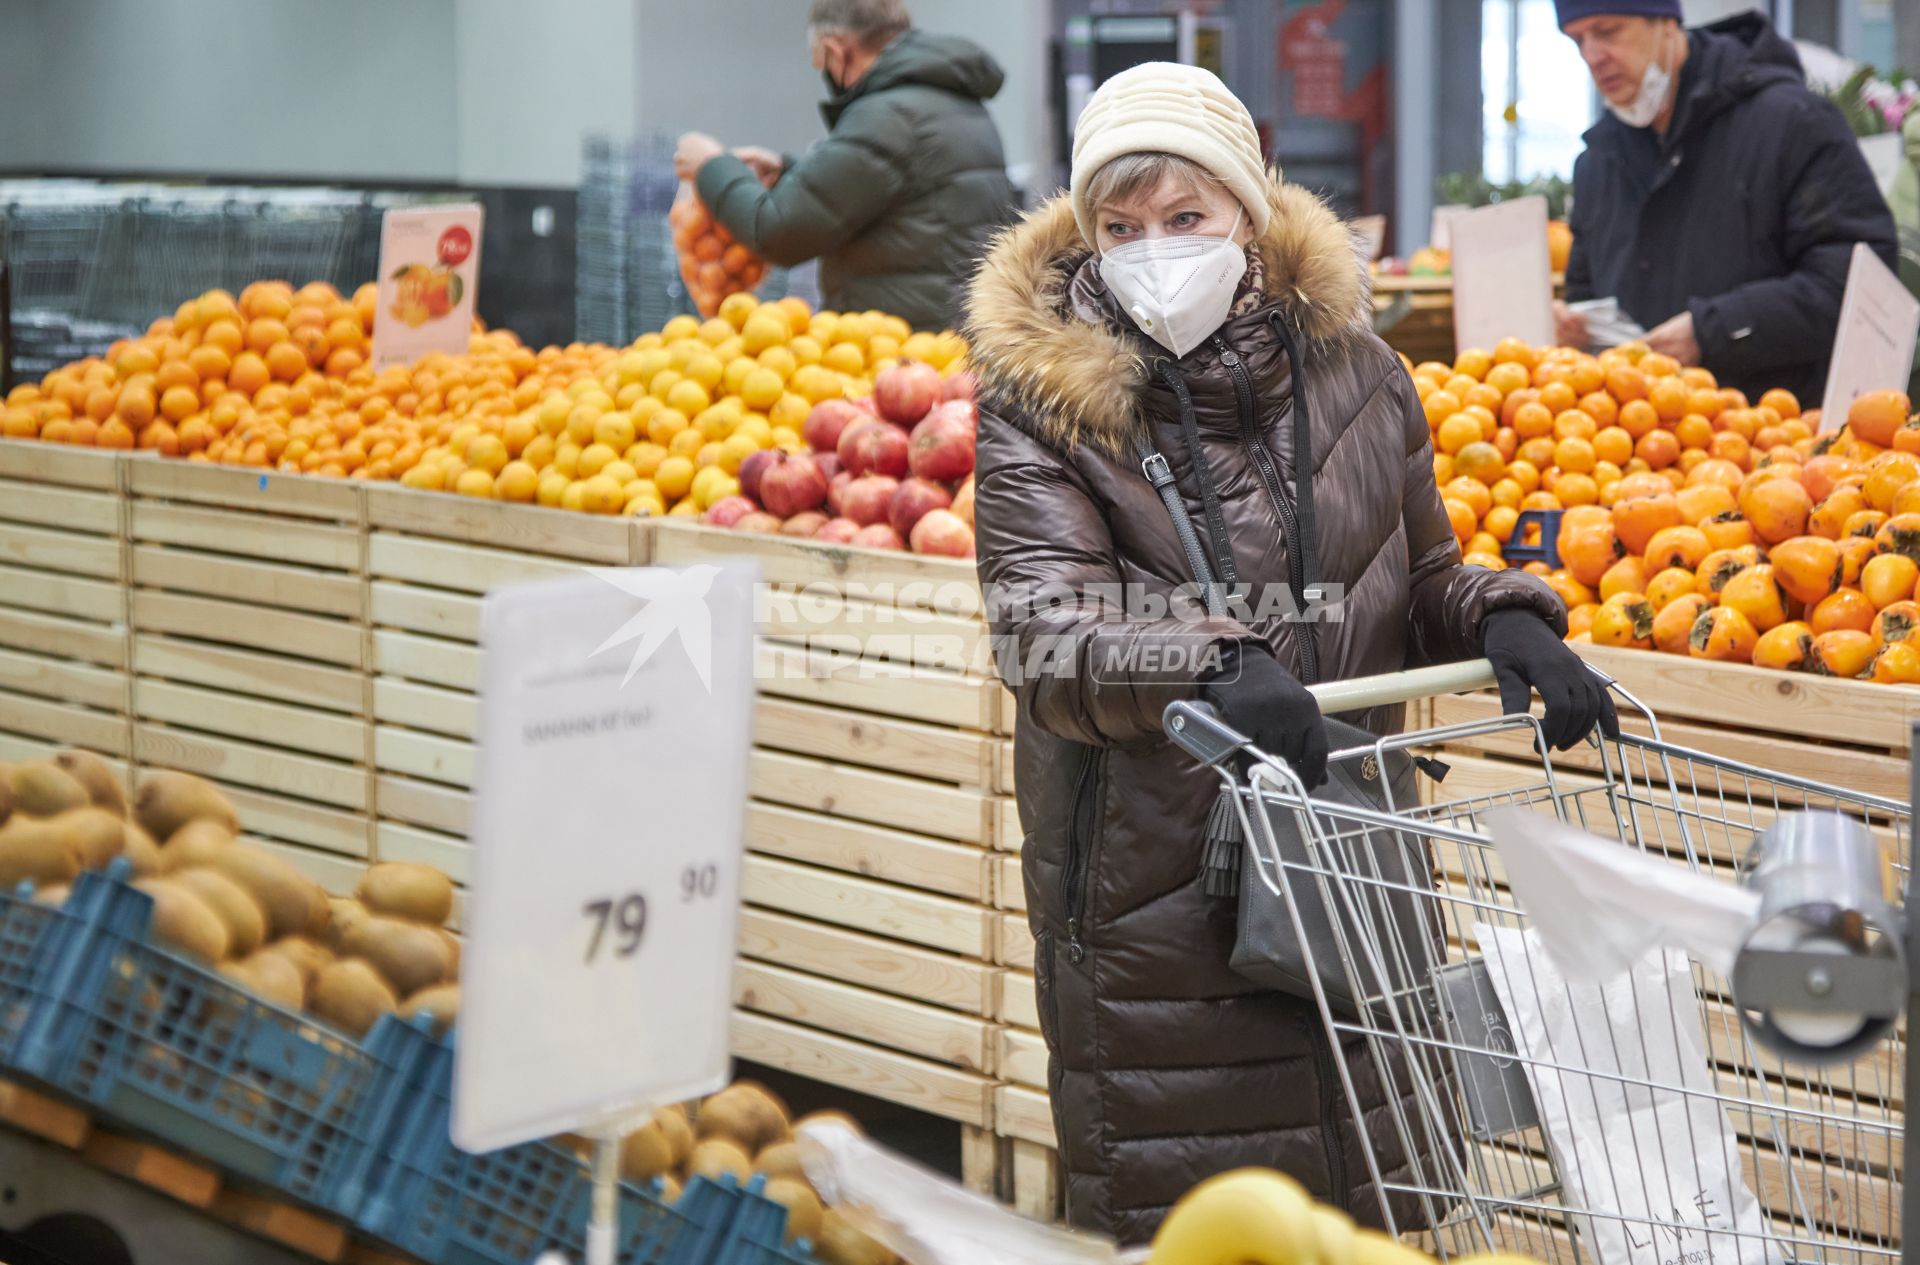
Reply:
x=1080, y=832
x=1336, y=1148
x=1263, y=461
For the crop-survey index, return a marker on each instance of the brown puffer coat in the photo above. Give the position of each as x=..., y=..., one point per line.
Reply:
x=1166, y=1066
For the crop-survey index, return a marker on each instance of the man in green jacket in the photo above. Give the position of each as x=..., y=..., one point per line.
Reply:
x=899, y=200
x=1906, y=218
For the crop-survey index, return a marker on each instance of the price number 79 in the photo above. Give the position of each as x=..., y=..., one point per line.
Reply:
x=626, y=916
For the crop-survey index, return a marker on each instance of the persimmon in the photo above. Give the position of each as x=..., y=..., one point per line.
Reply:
x=1788, y=647
x=1722, y=634
x=1897, y=663
x=1727, y=531
x=1755, y=593
x=1846, y=653
x=1704, y=501
x=1808, y=567
x=1876, y=415
x=1821, y=475
x=1778, y=508
x=1895, y=623
x=1637, y=518
x=1830, y=516
x=1886, y=474
x=1588, y=547
x=1722, y=565
x=1668, y=586
x=1855, y=553
x=1843, y=608
x=1900, y=535
x=1888, y=578
x=1570, y=591
x=1673, y=624
x=1676, y=547
x=1625, y=576
x=1580, y=619
x=1625, y=619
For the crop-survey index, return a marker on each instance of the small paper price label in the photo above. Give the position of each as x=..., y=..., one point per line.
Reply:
x=429, y=282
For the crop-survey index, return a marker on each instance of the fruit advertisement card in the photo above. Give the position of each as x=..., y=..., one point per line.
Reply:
x=429, y=280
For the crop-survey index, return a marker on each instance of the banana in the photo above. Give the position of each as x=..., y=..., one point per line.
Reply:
x=1247, y=1217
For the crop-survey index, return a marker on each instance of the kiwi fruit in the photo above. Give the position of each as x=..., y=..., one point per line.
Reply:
x=102, y=784
x=183, y=920
x=453, y=950
x=669, y=1188
x=442, y=1001
x=715, y=1157
x=344, y=913
x=724, y=1115
x=350, y=995
x=196, y=843
x=142, y=853
x=645, y=1154
x=97, y=833
x=35, y=850
x=803, y=1206
x=276, y=979
x=168, y=800
x=405, y=889
x=782, y=1159
x=54, y=894
x=757, y=1116
x=287, y=896
x=828, y=1117
x=231, y=903
x=42, y=788
x=673, y=1122
x=410, y=956
x=307, y=956
x=840, y=1242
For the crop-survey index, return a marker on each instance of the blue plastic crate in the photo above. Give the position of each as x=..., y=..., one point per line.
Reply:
x=171, y=1048
x=29, y=937
x=446, y=1206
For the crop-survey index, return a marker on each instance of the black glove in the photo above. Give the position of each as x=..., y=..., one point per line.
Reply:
x=1264, y=701
x=1528, y=655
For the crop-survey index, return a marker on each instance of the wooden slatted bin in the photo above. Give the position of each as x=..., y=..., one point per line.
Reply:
x=249, y=644
x=876, y=829
x=63, y=603
x=430, y=560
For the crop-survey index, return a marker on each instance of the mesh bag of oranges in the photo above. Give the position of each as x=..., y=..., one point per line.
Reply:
x=712, y=263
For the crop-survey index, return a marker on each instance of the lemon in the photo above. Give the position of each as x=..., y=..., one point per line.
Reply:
x=645, y=458
x=678, y=327
x=738, y=309
x=689, y=396
x=593, y=459
x=673, y=477
x=475, y=483
x=765, y=329
x=762, y=389
x=620, y=471
x=664, y=425
x=553, y=485
x=602, y=495
x=736, y=449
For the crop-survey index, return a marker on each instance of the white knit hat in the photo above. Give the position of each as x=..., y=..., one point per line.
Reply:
x=1165, y=107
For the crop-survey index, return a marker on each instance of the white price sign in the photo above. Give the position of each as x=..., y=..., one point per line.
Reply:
x=609, y=803
x=1502, y=276
x=1873, y=351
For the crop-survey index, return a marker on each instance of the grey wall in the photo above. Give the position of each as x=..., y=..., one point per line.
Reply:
x=349, y=88
x=19, y=84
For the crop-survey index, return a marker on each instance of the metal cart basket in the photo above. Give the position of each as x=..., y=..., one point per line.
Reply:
x=1628, y=1124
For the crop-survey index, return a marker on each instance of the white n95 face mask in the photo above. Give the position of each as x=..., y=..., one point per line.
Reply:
x=1649, y=100
x=1178, y=290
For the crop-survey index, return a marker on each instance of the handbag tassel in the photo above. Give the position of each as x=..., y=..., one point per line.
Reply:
x=1225, y=842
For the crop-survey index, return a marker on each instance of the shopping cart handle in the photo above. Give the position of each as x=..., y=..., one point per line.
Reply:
x=1363, y=692
x=1199, y=731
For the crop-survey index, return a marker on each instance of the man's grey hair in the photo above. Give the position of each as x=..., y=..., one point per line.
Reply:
x=875, y=23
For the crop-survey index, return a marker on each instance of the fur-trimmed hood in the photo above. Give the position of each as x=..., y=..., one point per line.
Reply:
x=1081, y=381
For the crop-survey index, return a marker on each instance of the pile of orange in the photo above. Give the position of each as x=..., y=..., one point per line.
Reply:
x=276, y=379
x=1696, y=521
x=712, y=263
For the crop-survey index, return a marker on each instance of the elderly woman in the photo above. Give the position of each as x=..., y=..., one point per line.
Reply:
x=1184, y=319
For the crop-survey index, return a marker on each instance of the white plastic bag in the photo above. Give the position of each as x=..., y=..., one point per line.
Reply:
x=1633, y=1134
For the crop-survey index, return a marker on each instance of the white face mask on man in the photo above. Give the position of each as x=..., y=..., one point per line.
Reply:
x=1178, y=290
x=1647, y=103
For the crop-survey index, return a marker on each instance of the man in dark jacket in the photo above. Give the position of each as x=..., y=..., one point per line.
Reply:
x=1719, y=199
x=899, y=200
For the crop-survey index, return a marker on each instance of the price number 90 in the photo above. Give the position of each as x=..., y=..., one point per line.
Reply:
x=619, y=923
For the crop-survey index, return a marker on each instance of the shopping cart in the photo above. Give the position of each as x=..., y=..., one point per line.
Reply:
x=1639, y=1133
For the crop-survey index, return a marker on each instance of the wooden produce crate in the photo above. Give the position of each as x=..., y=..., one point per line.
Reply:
x=247, y=602
x=63, y=603
x=875, y=828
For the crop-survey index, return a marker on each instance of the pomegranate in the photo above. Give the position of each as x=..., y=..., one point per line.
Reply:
x=877, y=536
x=866, y=500
x=759, y=521
x=963, y=411
x=836, y=488
x=791, y=485
x=941, y=447
x=751, y=469
x=912, y=499
x=728, y=510
x=942, y=532
x=907, y=392
x=829, y=463
x=867, y=406
x=874, y=447
x=837, y=531
x=961, y=386
x=804, y=524
x=963, y=501
x=822, y=428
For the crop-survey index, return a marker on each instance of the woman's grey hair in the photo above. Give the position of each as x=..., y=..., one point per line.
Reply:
x=875, y=23
x=1131, y=175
